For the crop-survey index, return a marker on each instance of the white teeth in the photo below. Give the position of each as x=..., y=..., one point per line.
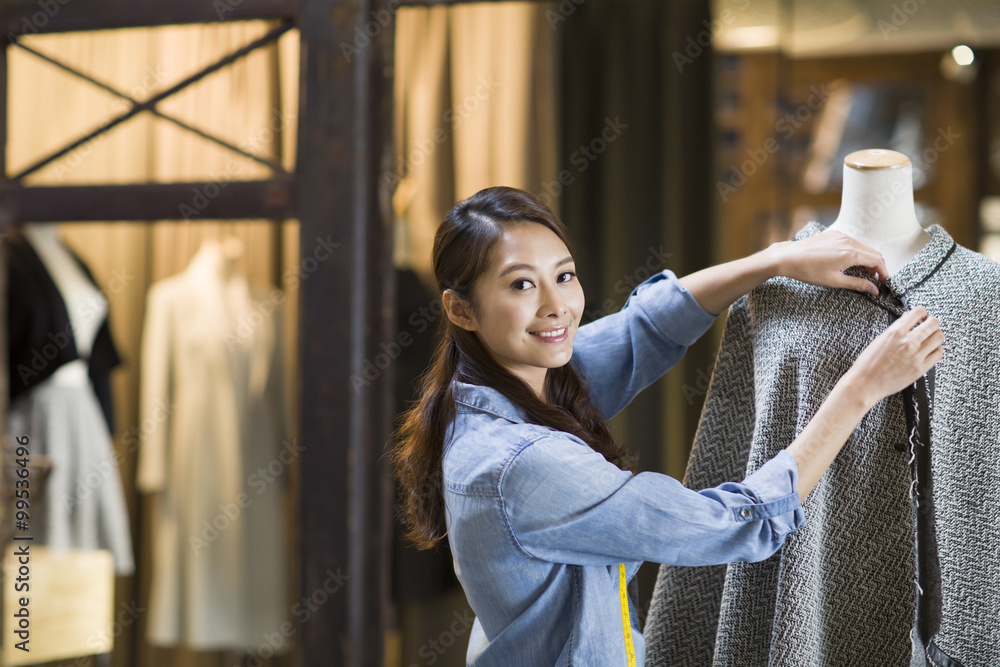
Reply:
x=551, y=334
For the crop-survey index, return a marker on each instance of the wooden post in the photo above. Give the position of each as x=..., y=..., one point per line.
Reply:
x=345, y=318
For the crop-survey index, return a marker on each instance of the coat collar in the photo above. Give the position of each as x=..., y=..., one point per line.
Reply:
x=912, y=274
x=487, y=399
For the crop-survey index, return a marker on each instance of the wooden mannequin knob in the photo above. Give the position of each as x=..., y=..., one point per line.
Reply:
x=876, y=158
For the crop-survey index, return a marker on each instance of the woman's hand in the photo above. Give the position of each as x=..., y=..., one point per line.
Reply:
x=891, y=362
x=818, y=260
x=898, y=356
x=821, y=260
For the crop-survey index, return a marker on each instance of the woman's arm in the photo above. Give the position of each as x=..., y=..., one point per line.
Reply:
x=565, y=503
x=623, y=353
x=818, y=260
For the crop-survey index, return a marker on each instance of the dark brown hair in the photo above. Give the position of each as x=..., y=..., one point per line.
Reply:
x=463, y=248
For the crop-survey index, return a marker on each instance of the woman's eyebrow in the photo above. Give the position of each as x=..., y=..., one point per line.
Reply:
x=529, y=267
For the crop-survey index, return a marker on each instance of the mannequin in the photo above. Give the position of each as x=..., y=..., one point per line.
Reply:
x=212, y=349
x=85, y=304
x=84, y=505
x=877, y=205
x=865, y=581
x=231, y=250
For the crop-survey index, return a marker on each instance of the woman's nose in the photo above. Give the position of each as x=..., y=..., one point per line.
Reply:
x=553, y=302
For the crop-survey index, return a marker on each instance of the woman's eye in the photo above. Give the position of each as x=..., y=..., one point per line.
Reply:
x=516, y=284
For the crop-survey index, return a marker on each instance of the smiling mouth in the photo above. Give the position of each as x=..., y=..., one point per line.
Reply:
x=549, y=334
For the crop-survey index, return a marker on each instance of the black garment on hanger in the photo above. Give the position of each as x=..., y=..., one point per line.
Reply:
x=40, y=334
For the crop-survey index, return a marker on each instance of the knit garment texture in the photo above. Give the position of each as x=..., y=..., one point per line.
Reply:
x=844, y=590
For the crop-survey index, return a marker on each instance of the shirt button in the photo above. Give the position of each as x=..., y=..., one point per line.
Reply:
x=745, y=512
x=900, y=447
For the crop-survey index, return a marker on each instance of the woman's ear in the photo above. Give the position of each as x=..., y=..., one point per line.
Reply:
x=457, y=310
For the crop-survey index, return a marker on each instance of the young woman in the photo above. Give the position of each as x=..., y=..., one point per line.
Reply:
x=507, y=451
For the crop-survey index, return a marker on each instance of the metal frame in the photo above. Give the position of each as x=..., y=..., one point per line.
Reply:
x=150, y=104
x=343, y=143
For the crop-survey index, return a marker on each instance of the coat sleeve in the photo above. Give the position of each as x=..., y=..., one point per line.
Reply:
x=623, y=353
x=155, y=392
x=684, y=610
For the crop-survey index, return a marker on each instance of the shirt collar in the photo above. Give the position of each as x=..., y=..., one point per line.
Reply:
x=912, y=274
x=487, y=399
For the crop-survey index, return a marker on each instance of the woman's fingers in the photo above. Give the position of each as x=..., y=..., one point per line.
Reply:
x=899, y=355
x=855, y=253
x=911, y=318
x=870, y=260
x=863, y=255
x=927, y=336
x=858, y=284
x=932, y=341
x=934, y=357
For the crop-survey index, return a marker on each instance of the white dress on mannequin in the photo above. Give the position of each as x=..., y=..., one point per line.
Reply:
x=215, y=455
x=84, y=506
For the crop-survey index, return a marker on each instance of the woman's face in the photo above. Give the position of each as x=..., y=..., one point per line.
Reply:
x=530, y=303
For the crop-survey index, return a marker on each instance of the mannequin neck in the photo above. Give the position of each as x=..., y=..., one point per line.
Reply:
x=220, y=258
x=877, y=209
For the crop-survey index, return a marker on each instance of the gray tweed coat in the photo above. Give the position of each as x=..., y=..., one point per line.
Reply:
x=899, y=563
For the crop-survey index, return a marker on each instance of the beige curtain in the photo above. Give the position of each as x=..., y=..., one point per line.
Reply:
x=475, y=106
x=252, y=104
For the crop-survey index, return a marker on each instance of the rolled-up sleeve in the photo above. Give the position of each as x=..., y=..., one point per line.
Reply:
x=623, y=353
x=566, y=503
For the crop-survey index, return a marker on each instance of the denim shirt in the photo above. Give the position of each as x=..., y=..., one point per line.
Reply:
x=538, y=521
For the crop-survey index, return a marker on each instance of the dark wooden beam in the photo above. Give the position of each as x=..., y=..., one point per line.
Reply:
x=19, y=17
x=274, y=199
x=346, y=310
x=421, y=3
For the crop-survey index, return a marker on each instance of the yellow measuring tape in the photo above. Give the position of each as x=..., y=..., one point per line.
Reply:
x=626, y=624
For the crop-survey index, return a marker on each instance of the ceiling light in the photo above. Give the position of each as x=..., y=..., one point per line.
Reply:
x=963, y=55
